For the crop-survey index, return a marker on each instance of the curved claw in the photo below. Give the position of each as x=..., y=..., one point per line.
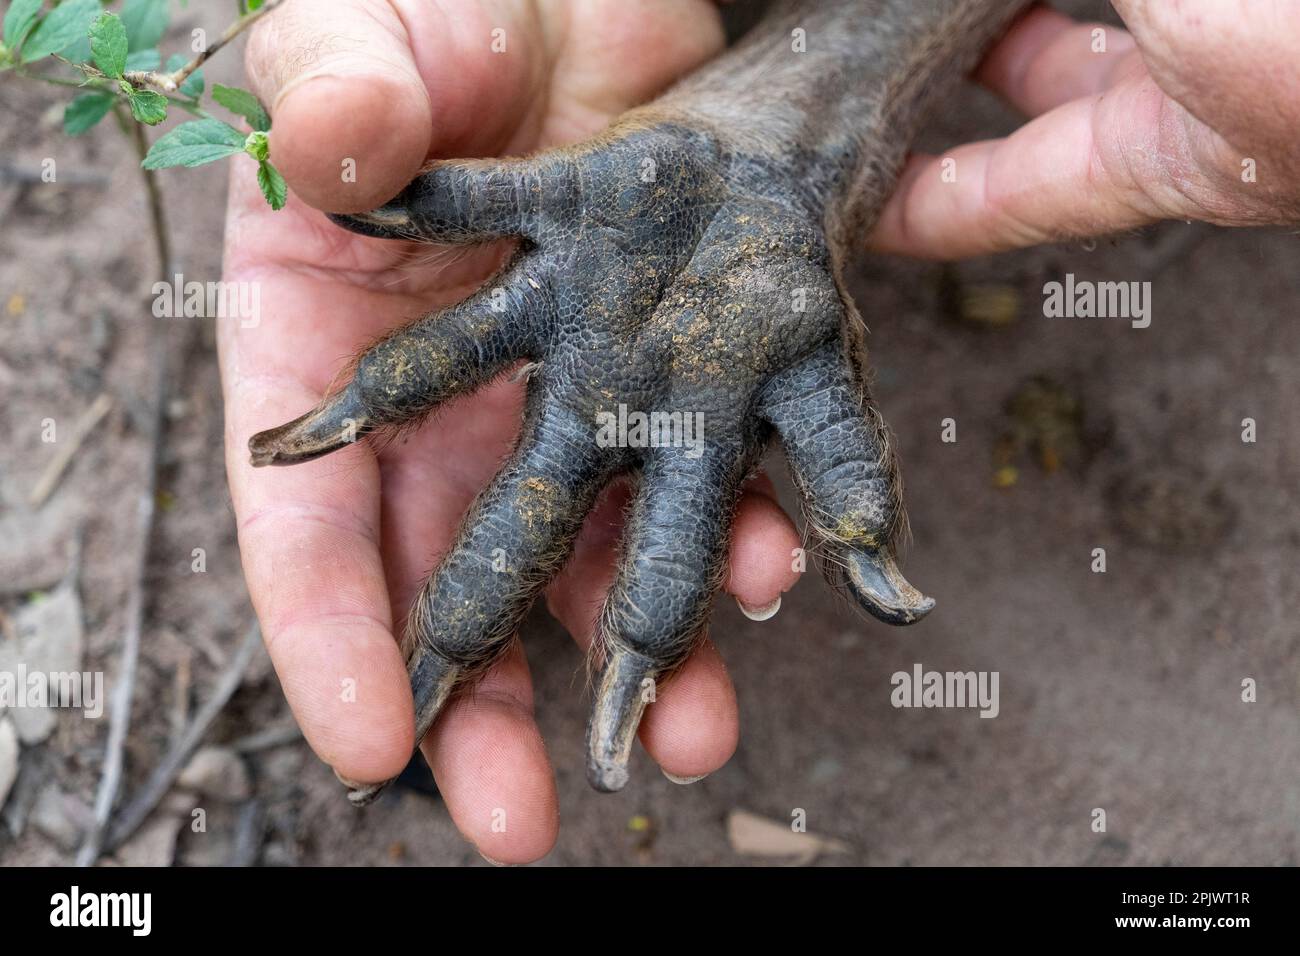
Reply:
x=390, y=221
x=460, y=201
x=361, y=794
x=839, y=452
x=675, y=546
x=337, y=422
x=414, y=369
x=467, y=613
x=621, y=698
x=432, y=681
x=882, y=591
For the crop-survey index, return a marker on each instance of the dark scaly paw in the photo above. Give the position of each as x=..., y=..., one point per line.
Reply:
x=657, y=271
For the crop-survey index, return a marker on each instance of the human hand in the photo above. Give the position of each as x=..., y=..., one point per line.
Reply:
x=1192, y=116
x=334, y=551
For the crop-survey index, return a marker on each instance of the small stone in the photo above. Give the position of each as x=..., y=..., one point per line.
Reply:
x=51, y=632
x=752, y=835
x=210, y=840
x=61, y=817
x=34, y=724
x=847, y=641
x=153, y=845
x=52, y=118
x=825, y=770
x=50, y=642
x=277, y=854
x=33, y=549
x=8, y=757
x=217, y=772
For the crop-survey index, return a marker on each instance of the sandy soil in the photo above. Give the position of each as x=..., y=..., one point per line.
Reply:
x=1119, y=691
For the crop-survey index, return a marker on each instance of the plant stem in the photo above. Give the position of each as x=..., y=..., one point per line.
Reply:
x=191, y=106
x=157, y=212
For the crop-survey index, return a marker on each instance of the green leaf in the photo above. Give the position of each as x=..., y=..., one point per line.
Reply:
x=108, y=44
x=193, y=85
x=251, y=6
x=85, y=111
x=274, y=188
x=142, y=61
x=242, y=103
x=148, y=107
x=66, y=24
x=18, y=20
x=196, y=143
x=146, y=22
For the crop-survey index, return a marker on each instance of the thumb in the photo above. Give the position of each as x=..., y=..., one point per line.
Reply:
x=352, y=116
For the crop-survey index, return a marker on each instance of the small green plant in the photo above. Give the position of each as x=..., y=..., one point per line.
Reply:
x=114, y=61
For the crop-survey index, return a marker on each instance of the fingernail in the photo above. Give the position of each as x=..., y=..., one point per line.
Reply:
x=492, y=861
x=683, y=781
x=350, y=784
x=759, y=613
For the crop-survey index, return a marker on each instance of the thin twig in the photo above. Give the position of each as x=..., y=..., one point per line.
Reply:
x=169, y=768
x=124, y=690
x=49, y=479
x=95, y=79
x=167, y=82
x=248, y=835
x=172, y=81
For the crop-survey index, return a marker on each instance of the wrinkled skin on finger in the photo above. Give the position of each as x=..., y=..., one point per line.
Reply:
x=687, y=263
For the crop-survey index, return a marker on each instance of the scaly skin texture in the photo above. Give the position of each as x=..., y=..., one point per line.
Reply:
x=688, y=260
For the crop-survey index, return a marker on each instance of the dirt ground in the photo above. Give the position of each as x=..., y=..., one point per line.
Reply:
x=1119, y=690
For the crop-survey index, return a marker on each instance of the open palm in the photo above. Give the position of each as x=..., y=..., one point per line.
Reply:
x=362, y=94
